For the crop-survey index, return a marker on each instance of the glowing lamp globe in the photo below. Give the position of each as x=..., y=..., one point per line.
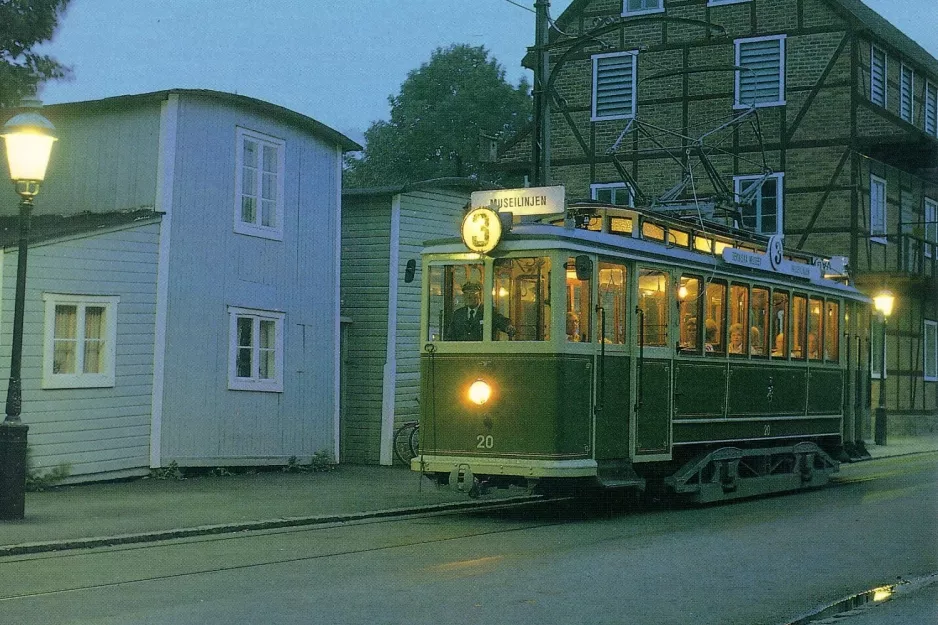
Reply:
x=29, y=138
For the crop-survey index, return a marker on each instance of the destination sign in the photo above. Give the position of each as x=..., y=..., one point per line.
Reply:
x=754, y=260
x=527, y=201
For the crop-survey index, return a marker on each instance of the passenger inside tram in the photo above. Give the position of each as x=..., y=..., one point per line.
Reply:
x=755, y=336
x=711, y=335
x=737, y=345
x=779, y=350
x=573, y=327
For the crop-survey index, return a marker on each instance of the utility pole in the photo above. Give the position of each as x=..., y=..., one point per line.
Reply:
x=540, y=142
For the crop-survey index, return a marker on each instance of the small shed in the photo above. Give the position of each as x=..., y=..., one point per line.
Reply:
x=382, y=229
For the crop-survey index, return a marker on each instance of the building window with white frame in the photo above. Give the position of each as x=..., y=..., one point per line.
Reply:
x=931, y=109
x=930, y=217
x=877, y=209
x=259, y=185
x=930, y=344
x=760, y=79
x=878, y=67
x=255, y=350
x=615, y=193
x=80, y=337
x=906, y=89
x=761, y=200
x=614, y=85
x=640, y=7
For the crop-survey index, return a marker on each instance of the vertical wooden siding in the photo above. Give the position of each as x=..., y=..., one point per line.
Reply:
x=212, y=267
x=366, y=224
x=102, y=161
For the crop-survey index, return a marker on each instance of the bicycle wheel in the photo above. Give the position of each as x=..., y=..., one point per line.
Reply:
x=402, y=443
x=414, y=441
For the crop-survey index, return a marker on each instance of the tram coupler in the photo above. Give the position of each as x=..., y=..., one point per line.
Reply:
x=462, y=479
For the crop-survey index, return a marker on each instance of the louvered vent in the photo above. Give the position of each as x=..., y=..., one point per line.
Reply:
x=614, y=87
x=760, y=80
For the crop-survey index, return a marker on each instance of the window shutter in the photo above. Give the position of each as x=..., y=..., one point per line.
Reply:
x=931, y=109
x=760, y=81
x=905, y=94
x=931, y=350
x=877, y=77
x=877, y=208
x=615, y=96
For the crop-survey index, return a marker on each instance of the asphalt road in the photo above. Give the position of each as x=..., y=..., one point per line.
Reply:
x=763, y=561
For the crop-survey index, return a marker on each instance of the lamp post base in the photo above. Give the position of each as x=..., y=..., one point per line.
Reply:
x=879, y=436
x=12, y=470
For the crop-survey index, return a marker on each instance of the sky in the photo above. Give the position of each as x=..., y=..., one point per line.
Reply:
x=336, y=61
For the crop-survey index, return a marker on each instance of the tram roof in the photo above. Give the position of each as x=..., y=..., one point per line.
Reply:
x=553, y=232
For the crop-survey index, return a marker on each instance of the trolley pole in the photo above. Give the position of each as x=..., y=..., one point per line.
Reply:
x=541, y=140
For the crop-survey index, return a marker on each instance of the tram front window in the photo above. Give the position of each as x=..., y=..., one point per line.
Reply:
x=456, y=307
x=522, y=295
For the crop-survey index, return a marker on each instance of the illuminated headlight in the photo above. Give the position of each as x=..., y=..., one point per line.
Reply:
x=479, y=392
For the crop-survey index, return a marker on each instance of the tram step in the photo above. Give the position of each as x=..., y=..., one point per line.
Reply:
x=635, y=482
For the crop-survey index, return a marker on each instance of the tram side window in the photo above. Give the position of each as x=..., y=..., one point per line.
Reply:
x=798, y=326
x=579, y=298
x=653, y=300
x=815, y=315
x=738, y=313
x=689, y=315
x=455, y=288
x=522, y=295
x=612, y=297
x=715, y=317
x=832, y=332
x=759, y=322
x=779, y=324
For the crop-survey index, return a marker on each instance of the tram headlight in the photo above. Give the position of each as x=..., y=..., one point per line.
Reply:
x=479, y=392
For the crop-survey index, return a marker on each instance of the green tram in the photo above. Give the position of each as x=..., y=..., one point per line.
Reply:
x=630, y=349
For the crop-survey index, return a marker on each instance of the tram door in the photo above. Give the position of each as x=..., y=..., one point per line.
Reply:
x=653, y=365
x=613, y=361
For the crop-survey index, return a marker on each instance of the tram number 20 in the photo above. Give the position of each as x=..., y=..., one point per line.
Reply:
x=484, y=441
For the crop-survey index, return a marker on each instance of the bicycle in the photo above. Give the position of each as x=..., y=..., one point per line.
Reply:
x=407, y=441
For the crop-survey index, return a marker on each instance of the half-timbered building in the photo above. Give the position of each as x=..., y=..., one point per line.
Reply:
x=814, y=119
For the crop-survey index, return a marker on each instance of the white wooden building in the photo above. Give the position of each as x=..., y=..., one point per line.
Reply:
x=222, y=309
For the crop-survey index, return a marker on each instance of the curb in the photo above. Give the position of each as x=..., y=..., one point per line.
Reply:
x=248, y=526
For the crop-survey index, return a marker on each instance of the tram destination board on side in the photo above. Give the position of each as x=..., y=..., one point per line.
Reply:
x=754, y=260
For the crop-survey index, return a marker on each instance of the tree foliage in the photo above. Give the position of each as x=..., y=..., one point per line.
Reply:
x=438, y=119
x=23, y=25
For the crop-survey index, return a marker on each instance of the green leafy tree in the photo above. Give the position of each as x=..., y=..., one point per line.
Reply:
x=438, y=119
x=23, y=25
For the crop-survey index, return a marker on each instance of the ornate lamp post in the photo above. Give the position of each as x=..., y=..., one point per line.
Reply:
x=883, y=303
x=29, y=140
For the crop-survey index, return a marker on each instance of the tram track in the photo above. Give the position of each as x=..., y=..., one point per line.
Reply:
x=175, y=550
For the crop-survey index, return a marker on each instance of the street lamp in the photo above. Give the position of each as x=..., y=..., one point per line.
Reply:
x=28, y=137
x=883, y=303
